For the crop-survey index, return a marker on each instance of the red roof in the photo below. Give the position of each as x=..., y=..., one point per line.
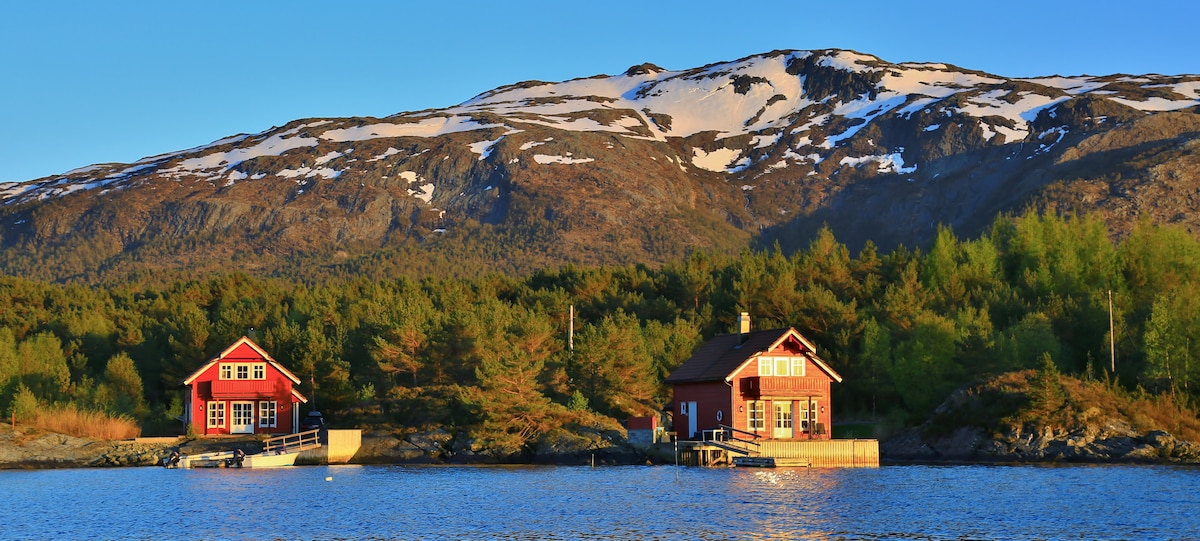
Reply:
x=720, y=357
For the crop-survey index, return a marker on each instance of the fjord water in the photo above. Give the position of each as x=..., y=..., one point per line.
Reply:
x=603, y=503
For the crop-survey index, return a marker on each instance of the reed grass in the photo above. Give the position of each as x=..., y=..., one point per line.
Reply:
x=72, y=421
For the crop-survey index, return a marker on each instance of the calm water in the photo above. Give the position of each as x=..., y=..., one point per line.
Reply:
x=611, y=503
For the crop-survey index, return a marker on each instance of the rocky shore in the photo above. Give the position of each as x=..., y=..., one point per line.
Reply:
x=20, y=450
x=1112, y=443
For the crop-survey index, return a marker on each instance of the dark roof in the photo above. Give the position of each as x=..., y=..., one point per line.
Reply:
x=720, y=356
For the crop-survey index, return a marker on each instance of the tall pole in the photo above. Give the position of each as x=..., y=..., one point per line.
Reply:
x=1112, y=339
x=571, y=330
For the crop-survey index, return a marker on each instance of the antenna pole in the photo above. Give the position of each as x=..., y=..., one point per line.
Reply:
x=1112, y=339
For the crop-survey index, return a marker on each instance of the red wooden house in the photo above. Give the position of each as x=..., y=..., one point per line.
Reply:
x=770, y=383
x=242, y=391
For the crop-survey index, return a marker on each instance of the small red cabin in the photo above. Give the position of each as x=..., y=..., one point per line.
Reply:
x=769, y=383
x=242, y=391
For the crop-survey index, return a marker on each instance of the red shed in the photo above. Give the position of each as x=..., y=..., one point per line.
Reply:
x=242, y=391
x=770, y=383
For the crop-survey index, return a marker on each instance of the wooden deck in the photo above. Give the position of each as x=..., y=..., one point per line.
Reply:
x=724, y=448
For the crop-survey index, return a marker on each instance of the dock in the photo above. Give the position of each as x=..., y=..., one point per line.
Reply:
x=727, y=446
x=277, y=451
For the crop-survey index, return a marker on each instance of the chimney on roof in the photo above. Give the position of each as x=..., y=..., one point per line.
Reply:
x=743, y=322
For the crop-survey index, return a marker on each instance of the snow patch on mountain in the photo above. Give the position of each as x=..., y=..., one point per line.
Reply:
x=887, y=163
x=484, y=148
x=309, y=172
x=567, y=160
x=717, y=161
x=427, y=127
x=272, y=145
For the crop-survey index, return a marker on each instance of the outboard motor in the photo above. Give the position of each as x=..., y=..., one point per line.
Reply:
x=172, y=460
x=239, y=456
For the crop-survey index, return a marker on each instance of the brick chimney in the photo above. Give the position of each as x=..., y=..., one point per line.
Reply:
x=743, y=323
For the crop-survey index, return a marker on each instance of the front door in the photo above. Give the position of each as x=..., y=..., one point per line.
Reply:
x=691, y=407
x=783, y=419
x=243, y=418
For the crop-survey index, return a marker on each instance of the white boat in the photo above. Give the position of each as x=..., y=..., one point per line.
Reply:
x=270, y=460
x=230, y=459
x=279, y=451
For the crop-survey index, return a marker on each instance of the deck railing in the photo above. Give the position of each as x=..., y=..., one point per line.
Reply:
x=727, y=437
x=290, y=443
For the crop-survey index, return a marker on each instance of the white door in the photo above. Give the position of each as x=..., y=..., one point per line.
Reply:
x=243, y=418
x=783, y=419
x=691, y=415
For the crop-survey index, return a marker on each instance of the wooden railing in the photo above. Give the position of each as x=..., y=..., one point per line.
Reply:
x=726, y=436
x=291, y=443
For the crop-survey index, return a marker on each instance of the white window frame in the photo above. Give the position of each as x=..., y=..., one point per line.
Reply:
x=789, y=365
x=266, y=414
x=243, y=371
x=215, y=413
x=756, y=417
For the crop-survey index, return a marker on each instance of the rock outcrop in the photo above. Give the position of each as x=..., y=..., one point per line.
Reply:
x=1090, y=425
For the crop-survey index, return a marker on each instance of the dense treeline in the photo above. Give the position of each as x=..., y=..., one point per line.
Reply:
x=489, y=358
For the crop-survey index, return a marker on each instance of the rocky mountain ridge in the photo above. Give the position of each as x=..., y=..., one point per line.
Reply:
x=638, y=167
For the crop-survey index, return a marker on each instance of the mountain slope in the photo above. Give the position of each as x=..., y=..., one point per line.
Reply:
x=641, y=166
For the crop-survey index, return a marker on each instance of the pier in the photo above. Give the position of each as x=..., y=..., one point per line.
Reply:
x=726, y=446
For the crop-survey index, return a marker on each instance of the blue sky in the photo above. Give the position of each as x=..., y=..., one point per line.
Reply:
x=93, y=82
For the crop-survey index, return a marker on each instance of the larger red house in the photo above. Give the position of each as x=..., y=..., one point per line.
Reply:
x=242, y=391
x=770, y=383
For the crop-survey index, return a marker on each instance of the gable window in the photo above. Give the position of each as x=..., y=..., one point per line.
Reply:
x=790, y=365
x=797, y=366
x=216, y=415
x=266, y=413
x=244, y=371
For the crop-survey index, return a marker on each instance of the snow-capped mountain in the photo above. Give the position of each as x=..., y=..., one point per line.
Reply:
x=640, y=166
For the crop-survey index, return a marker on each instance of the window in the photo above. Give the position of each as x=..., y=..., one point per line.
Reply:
x=805, y=415
x=781, y=366
x=797, y=366
x=266, y=413
x=244, y=371
x=216, y=415
x=758, y=416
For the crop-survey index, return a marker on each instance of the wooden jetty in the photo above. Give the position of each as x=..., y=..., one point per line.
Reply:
x=727, y=446
x=277, y=452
